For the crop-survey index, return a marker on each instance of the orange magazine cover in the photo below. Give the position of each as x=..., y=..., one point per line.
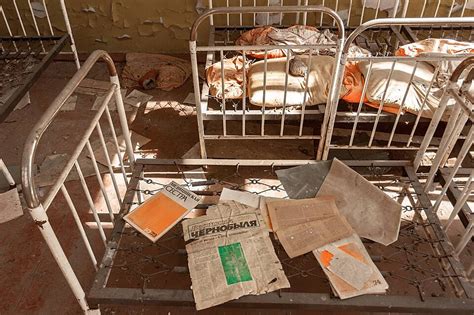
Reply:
x=161, y=212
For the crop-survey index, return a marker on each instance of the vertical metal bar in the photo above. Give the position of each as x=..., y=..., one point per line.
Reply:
x=224, y=118
x=109, y=163
x=362, y=13
x=425, y=99
x=39, y=215
x=91, y=203
x=123, y=119
x=281, y=13
x=8, y=26
x=377, y=9
x=6, y=173
x=305, y=14
x=466, y=238
x=381, y=104
x=99, y=179
x=322, y=15
x=461, y=201
x=47, y=18
x=35, y=24
x=117, y=147
x=19, y=18
x=254, y=14
x=240, y=13
x=361, y=102
x=285, y=93
x=462, y=154
x=303, y=106
x=244, y=98
x=79, y=225
x=395, y=8
x=69, y=31
x=197, y=98
x=228, y=17
x=211, y=17
x=268, y=14
x=431, y=129
x=336, y=8
x=395, y=124
x=298, y=13
x=265, y=61
x=349, y=14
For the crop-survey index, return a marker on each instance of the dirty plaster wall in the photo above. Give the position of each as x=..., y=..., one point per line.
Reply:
x=141, y=25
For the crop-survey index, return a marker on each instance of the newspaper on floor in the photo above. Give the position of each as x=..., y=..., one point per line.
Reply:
x=251, y=200
x=158, y=214
x=306, y=224
x=231, y=255
x=349, y=268
x=371, y=213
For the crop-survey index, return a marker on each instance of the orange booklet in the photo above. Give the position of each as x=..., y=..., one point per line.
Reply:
x=161, y=212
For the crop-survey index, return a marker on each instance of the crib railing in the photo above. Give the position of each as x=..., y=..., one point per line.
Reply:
x=455, y=181
x=371, y=122
x=243, y=112
x=38, y=208
x=352, y=12
x=21, y=18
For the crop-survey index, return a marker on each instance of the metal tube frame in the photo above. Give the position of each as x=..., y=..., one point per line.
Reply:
x=265, y=114
x=391, y=22
x=30, y=190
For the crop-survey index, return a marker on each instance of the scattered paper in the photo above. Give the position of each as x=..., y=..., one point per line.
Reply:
x=70, y=104
x=190, y=99
x=370, y=212
x=10, y=205
x=136, y=98
x=349, y=268
x=93, y=87
x=25, y=101
x=112, y=105
x=225, y=266
x=158, y=214
x=306, y=224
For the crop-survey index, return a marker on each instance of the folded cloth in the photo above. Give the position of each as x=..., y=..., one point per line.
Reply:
x=371, y=213
x=155, y=70
x=393, y=92
x=294, y=35
x=321, y=70
x=438, y=47
x=233, y=78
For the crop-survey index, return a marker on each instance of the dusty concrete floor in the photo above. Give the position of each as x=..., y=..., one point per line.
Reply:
x=30, y=281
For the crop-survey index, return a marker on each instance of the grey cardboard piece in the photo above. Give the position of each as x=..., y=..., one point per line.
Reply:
x=304, y=181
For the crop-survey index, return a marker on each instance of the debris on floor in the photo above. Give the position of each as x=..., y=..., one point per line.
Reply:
x=306, y=224
x=190, y=99
x=136, y=98
x=371, y=213
x=158, y=214
x=137, y=140
x=231, y=255
x=149, y=71
x=112, y=106
x=10, y=205
x=53, y=165
x=70, y=104
x=25, y=101
x=350, y=269
x=93, y=87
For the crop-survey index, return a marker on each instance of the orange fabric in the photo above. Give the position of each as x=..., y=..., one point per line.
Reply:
x=435, y=45
x=354, y=83
x=259, y=36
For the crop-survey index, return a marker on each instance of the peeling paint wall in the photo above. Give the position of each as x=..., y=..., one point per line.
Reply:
x=136, y=25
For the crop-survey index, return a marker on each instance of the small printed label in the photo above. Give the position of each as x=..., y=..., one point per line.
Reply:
x=234, y=263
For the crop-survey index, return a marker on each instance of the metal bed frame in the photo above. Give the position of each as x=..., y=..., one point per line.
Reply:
x=229, y=19
x=23, y=56
x=132, y=270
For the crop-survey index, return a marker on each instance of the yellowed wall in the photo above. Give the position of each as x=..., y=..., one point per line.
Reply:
x=139, y=25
